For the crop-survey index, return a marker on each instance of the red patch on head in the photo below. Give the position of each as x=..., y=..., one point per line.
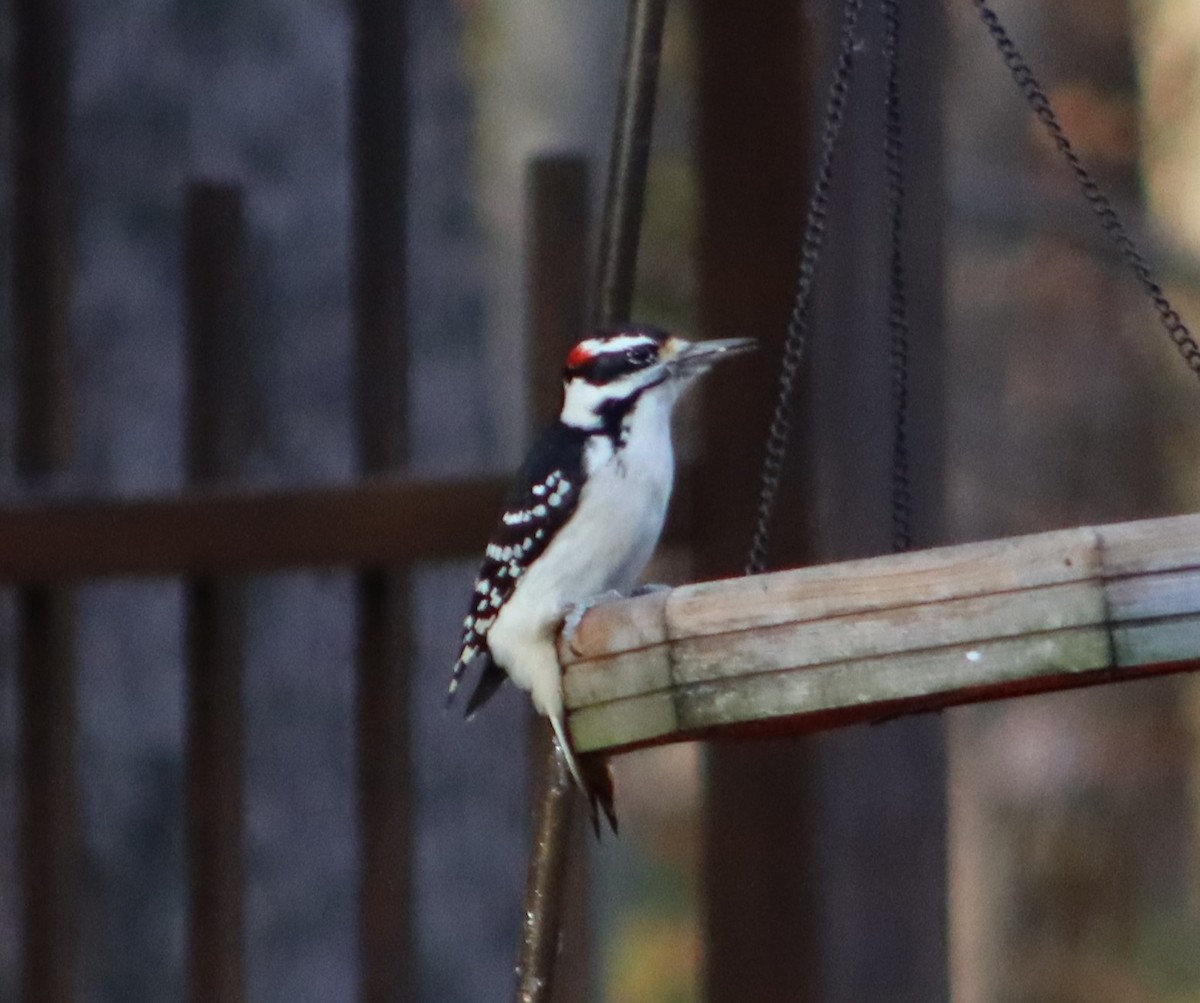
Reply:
x=580, y=356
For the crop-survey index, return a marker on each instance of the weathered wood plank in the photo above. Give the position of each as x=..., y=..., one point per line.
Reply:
x=1161, y=593
x=1150, y=545
x=882, y=582
x=974, y=620
x=629, y=625
x=1155, y=641
x=868, y=639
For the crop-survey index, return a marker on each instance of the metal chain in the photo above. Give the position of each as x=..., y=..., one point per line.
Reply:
x=1040, y=103
x=810, y=253
x=893, y=156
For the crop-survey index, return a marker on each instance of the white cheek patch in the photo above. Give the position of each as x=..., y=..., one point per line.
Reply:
x=582, y=400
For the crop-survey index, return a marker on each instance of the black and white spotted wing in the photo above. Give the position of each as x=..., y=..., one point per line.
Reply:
x=547, y=490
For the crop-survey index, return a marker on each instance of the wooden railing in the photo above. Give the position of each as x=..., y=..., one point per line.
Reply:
x=215, y=530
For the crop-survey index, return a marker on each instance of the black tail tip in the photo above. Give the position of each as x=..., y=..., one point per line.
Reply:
x=597, y=777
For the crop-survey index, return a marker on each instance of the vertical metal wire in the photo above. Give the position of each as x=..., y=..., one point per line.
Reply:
x=628, y=161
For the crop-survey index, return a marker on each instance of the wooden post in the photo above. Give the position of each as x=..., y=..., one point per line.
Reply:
x=49, y=829
x=42, y=242
x=819, y=857
x=752, y=119
x=48, y=833
x=385, y=647
x=558, y=242
x=881, y=851
x=219, y=391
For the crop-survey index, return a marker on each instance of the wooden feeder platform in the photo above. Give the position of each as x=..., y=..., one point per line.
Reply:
x=814, y=648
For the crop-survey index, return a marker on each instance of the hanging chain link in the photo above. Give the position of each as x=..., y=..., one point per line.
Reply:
x=898, y=326
x=798, y=322
x=898, y=329
x=1040, y=103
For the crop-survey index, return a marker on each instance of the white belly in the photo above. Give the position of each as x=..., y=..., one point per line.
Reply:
x=605, y=546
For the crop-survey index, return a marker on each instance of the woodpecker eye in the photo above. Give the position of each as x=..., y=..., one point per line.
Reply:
x=643, y=355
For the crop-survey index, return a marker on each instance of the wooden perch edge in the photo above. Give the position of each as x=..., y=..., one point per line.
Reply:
x=814, y=648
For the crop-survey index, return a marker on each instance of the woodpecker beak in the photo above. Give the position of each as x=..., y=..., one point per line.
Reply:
x=695, y=357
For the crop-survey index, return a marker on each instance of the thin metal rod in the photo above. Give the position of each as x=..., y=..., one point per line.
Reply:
x=541, y=922
x=628, y=162
x=616, y=270
x=558, y=233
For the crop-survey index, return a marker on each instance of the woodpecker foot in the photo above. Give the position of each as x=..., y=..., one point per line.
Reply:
x=577, y=611
x=649, y=588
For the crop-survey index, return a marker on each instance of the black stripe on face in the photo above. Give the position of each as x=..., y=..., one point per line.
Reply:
x=610, y=353
x=610, y=366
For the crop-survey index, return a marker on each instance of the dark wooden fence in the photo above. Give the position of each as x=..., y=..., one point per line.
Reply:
x=752, y=182
x=215, y=531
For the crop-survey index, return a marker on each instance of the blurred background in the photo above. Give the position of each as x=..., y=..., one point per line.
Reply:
x=1058, y=837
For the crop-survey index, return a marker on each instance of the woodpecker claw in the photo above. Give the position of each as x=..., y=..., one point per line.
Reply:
x=577, y=611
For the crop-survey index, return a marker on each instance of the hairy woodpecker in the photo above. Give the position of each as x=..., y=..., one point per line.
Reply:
x=584, y=518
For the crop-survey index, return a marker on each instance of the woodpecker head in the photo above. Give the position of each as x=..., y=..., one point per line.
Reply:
x=609, y=372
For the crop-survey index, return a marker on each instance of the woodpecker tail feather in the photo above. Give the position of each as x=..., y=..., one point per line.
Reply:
x=592, y=776
x=456, y=677
x=597, y=772
x=490, y=680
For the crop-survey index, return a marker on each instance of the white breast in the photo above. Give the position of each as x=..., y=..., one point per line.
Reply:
x=605, y=545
